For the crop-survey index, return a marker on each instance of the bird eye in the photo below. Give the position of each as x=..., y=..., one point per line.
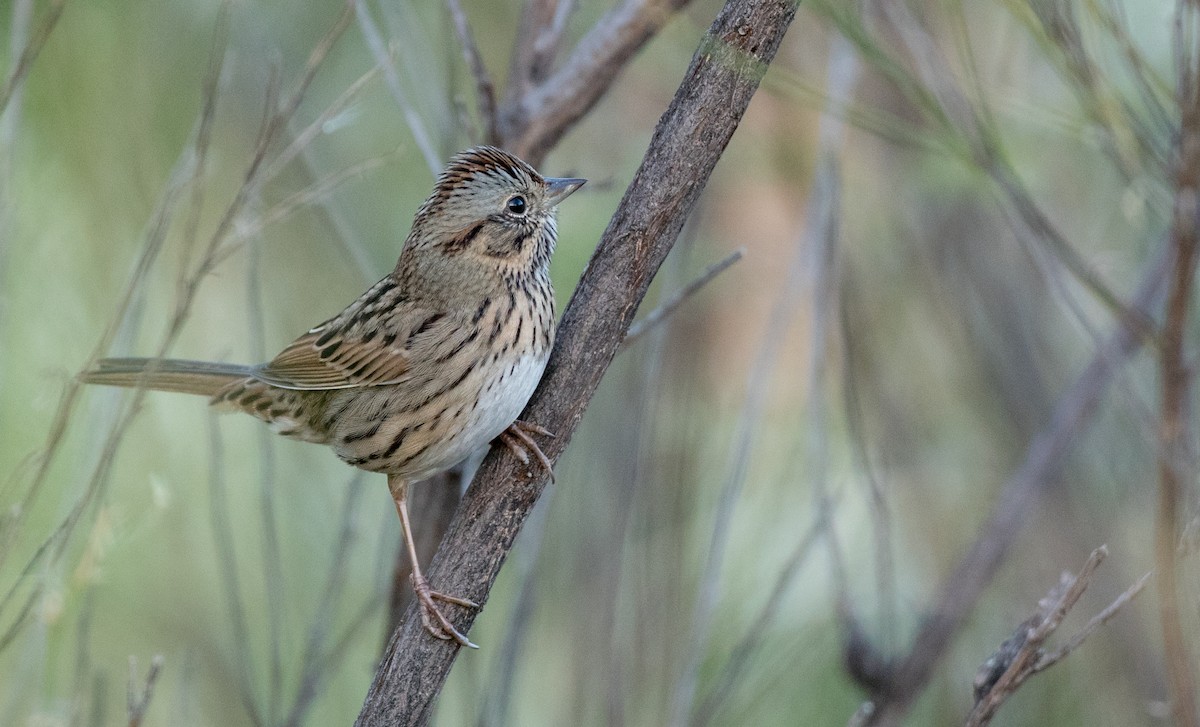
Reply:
x=516, y=205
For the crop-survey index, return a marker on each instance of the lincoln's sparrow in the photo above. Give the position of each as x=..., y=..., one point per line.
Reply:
x=432, y=362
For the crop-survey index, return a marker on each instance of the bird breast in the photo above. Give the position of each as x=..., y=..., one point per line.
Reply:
x=500, y=402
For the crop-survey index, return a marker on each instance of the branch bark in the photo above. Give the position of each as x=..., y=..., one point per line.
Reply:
x=688, y=141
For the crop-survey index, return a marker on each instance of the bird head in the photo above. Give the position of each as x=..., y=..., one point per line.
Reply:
x=491, y=208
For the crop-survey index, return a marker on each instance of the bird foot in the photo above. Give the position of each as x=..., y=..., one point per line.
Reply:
x=433, y=619
x=518, y=441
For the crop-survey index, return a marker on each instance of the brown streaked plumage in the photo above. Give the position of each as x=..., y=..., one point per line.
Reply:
x=434, y=361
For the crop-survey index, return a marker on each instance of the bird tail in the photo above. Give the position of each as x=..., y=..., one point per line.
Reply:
x=164, y=374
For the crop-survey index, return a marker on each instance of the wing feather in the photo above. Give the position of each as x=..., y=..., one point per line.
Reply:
x=368, y=344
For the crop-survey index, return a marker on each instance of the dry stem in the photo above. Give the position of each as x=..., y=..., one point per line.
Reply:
x=1022, y=656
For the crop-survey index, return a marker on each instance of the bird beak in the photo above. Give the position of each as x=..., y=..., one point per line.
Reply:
x=560, y=189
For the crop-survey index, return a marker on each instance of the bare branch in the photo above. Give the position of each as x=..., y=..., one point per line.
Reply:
x=310, y=195
x=754, y=637
x=548, y=41
x=1021, y=656
x=530, y=64
x=668, y=306
x=138, y=697
x=29, y=53
x=301, y=141
x=317, y=654
x=228, y=565
x=689, y=139
x=1048, y=660
x=532, y=121
x=186, y=171
x=816, y=236
x=485, y=90
x=385, y=61
x=977, y=134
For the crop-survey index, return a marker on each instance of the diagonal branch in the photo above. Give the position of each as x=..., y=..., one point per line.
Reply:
x=678, y=298
x=29, y=53
x=534, y=117
x=532, y=54
x=689, y=139
x=1019, y=657
x=1021, y=492
x=485, y=90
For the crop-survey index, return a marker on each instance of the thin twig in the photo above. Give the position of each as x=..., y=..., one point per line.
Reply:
x=548, y=40
x=154, y=239
x=227, y=558
x=311, y=195
x=961, y=118
x=29, y=53
x=138, y=697
x=495, y=710
x=273, y=124
x=272, y=559
x=210, y=92
x=819, y=225
x=533, y=120
x=20, y=21
x=302, y=141
x=485, y=90
x=740, y=657
x=526, y=66
x=676, y=299
x=384, y=60
x=317, y=656
x=1021, y=656
x=1049, y=659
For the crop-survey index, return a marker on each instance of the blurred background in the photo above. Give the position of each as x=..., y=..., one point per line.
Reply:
x=940, y=206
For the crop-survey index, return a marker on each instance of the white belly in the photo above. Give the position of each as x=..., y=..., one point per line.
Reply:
x=500, y=402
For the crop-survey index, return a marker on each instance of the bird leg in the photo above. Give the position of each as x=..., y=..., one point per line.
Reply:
x=432, y=618
x=518, y=441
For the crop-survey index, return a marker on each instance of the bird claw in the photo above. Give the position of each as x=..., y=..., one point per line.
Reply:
x=434, y=621
x=531, y=428
x=518, y=441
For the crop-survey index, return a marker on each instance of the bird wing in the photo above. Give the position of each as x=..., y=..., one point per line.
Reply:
x=368, y=344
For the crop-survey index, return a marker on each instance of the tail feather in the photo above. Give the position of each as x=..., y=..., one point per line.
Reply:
x=187, y=377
